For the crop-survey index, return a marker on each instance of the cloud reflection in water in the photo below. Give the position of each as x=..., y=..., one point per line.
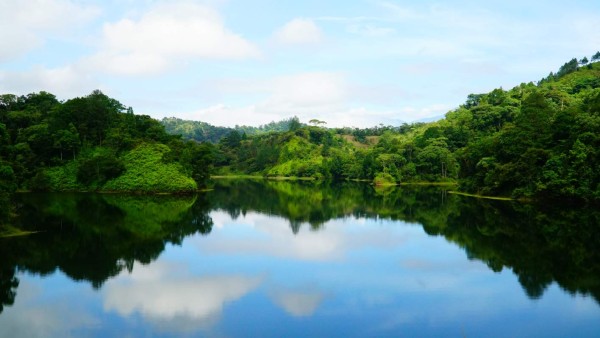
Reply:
x=174, y=302
x=298, y=303
x=277, y=240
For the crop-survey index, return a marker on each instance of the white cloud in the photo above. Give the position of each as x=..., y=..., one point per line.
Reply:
x=299, y=31
x=65, y=82
x=370, y=30
x=325, y=96
x=307, y=90
x=223, y=115
x=399, y=12
x=304, y=95
x=362, y=117
x=167, y=35
x=24, y=25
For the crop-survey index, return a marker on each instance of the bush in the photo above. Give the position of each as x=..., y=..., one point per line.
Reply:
x=40, y=182
x=64, y=178
x=312, y=167
x=147, y=173
x=7, y=179
x=384, y=179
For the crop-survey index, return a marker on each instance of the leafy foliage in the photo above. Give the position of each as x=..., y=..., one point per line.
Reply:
x=146, y=172
x=532, y=141
x=99, y=169
x=85, y=142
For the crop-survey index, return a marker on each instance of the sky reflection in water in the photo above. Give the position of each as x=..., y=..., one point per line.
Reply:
x=253, y=276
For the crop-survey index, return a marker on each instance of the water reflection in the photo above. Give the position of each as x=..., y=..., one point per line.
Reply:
x=314, y=203
x=173, y=300
x=51, y=317
x=273, y=240
x=8, y=287
x=94, y=237
x=540, y=245
x=301, y=303
x=346, y=236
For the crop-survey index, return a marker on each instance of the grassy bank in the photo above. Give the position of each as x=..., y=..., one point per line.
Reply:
x=498, y=198
x=9, y=231
x=257, y=177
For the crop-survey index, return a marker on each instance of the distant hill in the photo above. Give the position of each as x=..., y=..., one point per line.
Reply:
x=431, y=119
x=205, y=132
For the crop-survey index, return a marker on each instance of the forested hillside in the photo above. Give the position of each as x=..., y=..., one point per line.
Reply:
x=532, y=141
x=92, y=143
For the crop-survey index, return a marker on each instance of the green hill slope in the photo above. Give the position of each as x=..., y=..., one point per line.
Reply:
x=532, y=141
x=92, y=143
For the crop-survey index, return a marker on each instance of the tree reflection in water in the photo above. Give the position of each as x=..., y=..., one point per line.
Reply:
x=93, y=237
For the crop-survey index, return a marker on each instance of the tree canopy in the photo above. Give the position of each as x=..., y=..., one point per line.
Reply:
x=532, y=141
x=86, y=143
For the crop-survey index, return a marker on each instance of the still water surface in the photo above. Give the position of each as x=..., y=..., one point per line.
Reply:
x=283, y=259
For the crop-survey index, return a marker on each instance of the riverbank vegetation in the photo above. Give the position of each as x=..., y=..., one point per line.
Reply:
x=534, y=141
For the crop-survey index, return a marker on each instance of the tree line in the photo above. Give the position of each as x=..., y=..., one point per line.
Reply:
x=532, y=141
x=92, y=143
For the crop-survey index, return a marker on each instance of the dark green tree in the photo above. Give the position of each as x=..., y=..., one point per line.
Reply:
x=294, y=124
x=67, y=140
x=584, y=61
x=99, y=169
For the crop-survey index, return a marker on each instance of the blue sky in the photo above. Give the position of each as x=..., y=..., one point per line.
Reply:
x=349, y=63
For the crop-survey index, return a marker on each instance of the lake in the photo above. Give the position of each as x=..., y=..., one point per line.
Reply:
x=299, y=259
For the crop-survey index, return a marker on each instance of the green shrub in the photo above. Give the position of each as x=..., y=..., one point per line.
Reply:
x=7, y=179
x=64, y=178
x=145, y=172
x=384, y=179
x=311, y=167
x=40, y=182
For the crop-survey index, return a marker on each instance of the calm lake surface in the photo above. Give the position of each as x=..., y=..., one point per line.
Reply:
x=285, y=259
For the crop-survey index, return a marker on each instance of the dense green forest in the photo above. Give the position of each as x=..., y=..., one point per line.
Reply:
x=92, y=143
x=532, y=141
